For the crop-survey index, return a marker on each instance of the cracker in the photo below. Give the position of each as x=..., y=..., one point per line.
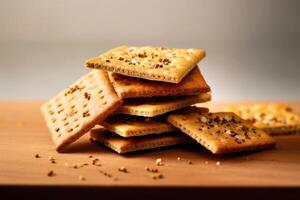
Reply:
x=128, y=126
x=274, y=118
x=222, y=132
x=125, y=145
x=75, y=110
x=157, y=106
x=152, y=63
x=130, y=87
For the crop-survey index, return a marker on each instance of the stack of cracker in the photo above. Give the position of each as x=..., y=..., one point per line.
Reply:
x=152, y=81
x=129, y=93
x=138, y=98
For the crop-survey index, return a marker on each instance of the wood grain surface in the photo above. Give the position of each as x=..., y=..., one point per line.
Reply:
x=24, y=134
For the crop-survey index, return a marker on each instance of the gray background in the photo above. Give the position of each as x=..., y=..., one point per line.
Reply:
x=253, y=46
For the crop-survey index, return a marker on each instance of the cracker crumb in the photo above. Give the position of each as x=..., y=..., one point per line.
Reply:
x=153, y=170
x=52, y=160
x=75, y=166
x=95, y=162
x=66, y=164
x=37, y=155
x=51, y=173
x=218, y=163
x=157, y=176
x=178, y=158
x=83, y=164
x=105, y=174
x=160, y=176
x=159, y=162
x=81, y=178
x=122, y=169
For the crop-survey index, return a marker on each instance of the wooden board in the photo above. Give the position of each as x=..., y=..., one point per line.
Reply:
x=23, y=134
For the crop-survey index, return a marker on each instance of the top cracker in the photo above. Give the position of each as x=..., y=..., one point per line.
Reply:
x=78, y=108
x=152, y=63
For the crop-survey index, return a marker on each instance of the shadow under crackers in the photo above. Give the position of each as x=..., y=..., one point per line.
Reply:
x=85, y=146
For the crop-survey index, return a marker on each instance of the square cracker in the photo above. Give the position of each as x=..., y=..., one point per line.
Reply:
x=152, y=63
x=130, y=87
x=128, y=126
x=77, y=109
x=125, y=145
x=221, y=132
x=157, y=106
x=274, y=118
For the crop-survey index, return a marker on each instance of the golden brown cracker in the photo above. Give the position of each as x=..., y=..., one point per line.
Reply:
x=274, y=118
x=125, y=145
x=152, y=63
x=77, y=109
x=128, y=126
x=150, y=107
x=130, y=87
x=222, y=132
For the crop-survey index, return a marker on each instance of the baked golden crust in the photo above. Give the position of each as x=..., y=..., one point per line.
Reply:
x=128, y=126
x=77, y=109
x=152, y=63
x=152, y=107
x=222, y=132
x=130, y=87
x=125, y=145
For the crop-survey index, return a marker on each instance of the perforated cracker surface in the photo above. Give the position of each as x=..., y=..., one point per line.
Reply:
x=153, y=63
x=75, y=110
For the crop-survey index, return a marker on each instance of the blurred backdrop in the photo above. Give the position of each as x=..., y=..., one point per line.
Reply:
x=253, y=46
